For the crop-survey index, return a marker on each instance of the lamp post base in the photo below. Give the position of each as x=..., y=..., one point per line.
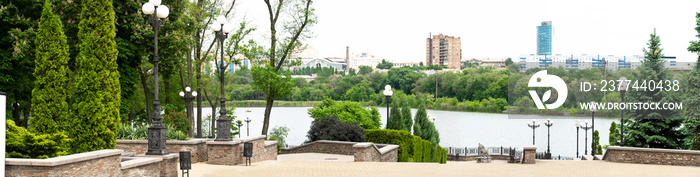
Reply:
x=223, y=130
x=156, y=140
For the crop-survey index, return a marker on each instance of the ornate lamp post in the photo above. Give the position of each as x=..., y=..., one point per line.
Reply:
x=548, y=123
x=623, y=88
x=533, y=125
x=387, y=94
x=578, y=125
x=239, y=124
x=247, y=124
x=223, y=124
x=157, y=132
x=593, y=109
x=585, y=151
x=188, y=95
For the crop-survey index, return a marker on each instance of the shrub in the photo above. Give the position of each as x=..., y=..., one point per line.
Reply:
x=331, y=128
x=348, y=112
x=24, y=144
x=440, y=155
x=387, y=136
x=178, y=120
x=417, y=149
x=279, y=134
x=140, y=132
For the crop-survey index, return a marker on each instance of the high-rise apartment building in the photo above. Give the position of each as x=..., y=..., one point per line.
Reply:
x=443, y=50
x=544, y=38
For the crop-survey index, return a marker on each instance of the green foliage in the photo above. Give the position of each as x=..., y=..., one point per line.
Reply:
x=385, y=65
x=421, y=115
x=509, y=61
x=440, y=155
x=653, y=128
x=140, y=132
x=178, y=120
x=692, y=101
x=403, y=79
x=595, y=145
x=359, y=92
x=49, y=106
x=411, y=148
x=97, y=89
x=279, y=134
x=613, y=139
x=332, y=128
x=406, y=117
x=348, y=112
x=24, y=144
x=364, y=70
x=395, y=121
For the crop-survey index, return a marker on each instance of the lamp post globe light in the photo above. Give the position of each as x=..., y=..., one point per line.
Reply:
x=387, y=94
x=578, y=125
x=188, y=95
x=585, y=144
x=223, y=124
x=593, y=109
x=533, y=125
x=623, y=88
x=548, y=123
x=156, y=132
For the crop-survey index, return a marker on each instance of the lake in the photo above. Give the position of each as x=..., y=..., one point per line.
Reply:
x=457, y=129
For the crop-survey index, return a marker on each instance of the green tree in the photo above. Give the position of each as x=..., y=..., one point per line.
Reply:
x=509, y=61
x=395, y=121
x=348, y=112
x=359, y=92
x=97, y=90
x=279, y=134
x=595, y=145
x=364, y=70
x=385, y=65
x=692, y=101
x=613, y=139
x=421, y=115
x=50, y=109
x=653, y=128
x=406, y=116
x=301, y=17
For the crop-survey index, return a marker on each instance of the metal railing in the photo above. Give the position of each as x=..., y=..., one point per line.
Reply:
x=475, y=150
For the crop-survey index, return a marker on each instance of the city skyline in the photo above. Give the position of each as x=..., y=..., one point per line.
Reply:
x=493, y=29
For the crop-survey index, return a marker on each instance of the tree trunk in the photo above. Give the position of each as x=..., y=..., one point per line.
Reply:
x=190, y=119
x=147, y=93
x=268, y=109
x=25, y=113
x=199, y=100
x=213, y=113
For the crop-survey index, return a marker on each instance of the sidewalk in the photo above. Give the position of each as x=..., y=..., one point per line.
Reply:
x=365, y=169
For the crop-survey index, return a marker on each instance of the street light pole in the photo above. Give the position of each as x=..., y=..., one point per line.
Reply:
x=188, y=95
x=533, y=125
x=156, y=132
x=593, y=109
x=548, y=123
x=623, y=88
x=585, y=151
x=223, y=124
x=247, y=124
x=239, y=124
x=578, y=125
x=387, y=94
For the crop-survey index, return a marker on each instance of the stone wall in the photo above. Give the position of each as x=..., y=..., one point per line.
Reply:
x=197, y=147
x=323, y=146
x=528, y=154
x=231, y=152
x=363, y=152
x=95, y=163
x=146, y=167
x=652, y=156
x=168, y=164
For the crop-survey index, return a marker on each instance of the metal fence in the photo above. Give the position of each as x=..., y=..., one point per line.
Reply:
x=492, y=150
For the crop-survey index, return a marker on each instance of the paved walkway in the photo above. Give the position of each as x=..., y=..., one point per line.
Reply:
x=366, y=169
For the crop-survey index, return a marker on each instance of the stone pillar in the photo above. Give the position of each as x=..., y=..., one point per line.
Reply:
x=365, y=152
x=529, y=154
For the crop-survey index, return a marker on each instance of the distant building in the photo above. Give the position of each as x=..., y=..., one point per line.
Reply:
x=544, y=38
x=398, y=65
x=443, y=50
x=486, y=62
x=584, y=61
x=322, y=63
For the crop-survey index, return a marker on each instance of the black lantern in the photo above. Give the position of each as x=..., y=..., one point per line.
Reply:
x=185, y=162
x=247, y=152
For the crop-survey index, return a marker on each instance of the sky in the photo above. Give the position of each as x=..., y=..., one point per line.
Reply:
x=397, y=29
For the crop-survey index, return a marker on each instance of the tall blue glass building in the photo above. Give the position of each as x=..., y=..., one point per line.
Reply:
x=544, y=38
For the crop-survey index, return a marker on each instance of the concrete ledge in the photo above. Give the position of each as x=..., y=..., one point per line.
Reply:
x=250, y=138
x=56, y=161
x=270, y=143
x=529, y=147
x=652, y=156
x=136, y=161
x=234, y=142
x=362, y=145
x=388, y=148
x=163, y=157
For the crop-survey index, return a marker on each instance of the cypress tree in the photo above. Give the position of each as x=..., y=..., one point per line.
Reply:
x=596, y=143
x=406, y=116
x=49, y=106
x=395, y=121
x=648, y=127
x=692, y=101
x=613, y=139
x=421, y=115
x=97, y=90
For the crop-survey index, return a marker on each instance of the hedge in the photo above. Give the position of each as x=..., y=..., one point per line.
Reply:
x=411, y=148
x=440, y=155
x=24, y=144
